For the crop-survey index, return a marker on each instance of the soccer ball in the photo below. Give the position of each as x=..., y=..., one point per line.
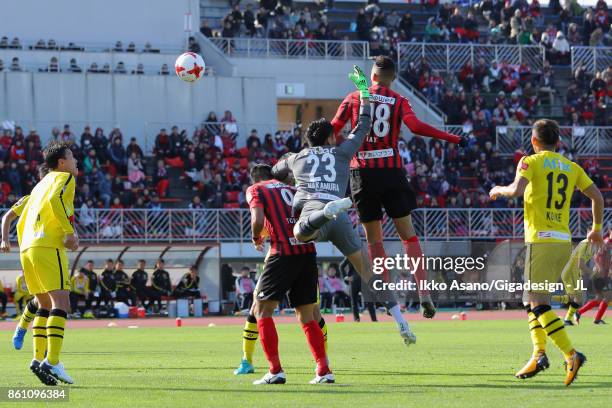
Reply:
x=189, y=67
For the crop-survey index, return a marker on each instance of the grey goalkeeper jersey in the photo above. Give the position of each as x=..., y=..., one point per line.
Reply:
x=321, y=173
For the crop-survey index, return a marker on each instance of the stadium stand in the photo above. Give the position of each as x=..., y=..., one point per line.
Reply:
x=208, y=168
x=516, y=22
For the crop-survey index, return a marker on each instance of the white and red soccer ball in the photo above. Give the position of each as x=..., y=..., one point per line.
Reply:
x=189, y=67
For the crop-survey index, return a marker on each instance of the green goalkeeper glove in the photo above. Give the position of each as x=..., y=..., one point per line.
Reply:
x=360, y=81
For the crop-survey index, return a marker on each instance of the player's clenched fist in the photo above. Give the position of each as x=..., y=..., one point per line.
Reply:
x=5, y=246
x=494, y=193
x=595, y=238
x=71, y=242
x=258, y=243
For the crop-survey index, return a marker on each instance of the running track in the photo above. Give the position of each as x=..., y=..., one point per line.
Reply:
x=239, y=320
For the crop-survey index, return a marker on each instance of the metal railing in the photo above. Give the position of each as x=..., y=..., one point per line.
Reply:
x=592, y=58
x=233, y=225
x=452, y=57
x=583, y=140
x=308, y=49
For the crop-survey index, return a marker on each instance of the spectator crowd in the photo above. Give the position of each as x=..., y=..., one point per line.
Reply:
x=486, y=22
x=279, y=20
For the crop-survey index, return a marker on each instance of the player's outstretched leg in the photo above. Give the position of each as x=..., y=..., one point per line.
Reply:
x=249, y=338
x=24, y=322
x=603, y=305
x=555, y=329
x=333, y=208
x=572, y=307
x=588, y=306
x=306, y=228
x=361, y=262
x=413, y=249
x=538, y=361
x=404, y=328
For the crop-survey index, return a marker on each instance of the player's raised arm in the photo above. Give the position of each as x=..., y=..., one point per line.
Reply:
x=517, y=188
x=355, y=139
x=421, y=128
x=282, y=169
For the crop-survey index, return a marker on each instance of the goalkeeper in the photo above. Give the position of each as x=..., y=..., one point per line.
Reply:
x=321, y=172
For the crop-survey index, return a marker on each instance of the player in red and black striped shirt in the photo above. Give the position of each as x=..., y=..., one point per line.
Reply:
x=378, y=179
x=274, y=200
x=291, y=268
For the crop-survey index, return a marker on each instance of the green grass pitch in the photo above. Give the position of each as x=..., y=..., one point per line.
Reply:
x=454, y=363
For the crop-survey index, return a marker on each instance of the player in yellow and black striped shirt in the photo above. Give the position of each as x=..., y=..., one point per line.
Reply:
x=29, y=312
x=547, y=181
x=45, y=232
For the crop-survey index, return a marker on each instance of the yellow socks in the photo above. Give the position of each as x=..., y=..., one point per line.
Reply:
x=555, y=329
x=571, y=310
x=249, y=338
x=538, y=335
x=28, y=314
x=39, y=334
x=55, y=334
x=323, y=327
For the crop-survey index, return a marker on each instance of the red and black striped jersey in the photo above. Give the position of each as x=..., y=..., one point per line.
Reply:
x=389, y=109
x=276, y=198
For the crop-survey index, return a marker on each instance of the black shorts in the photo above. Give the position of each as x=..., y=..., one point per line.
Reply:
x=601, y=284
x=294, y=275
x=375, y=189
